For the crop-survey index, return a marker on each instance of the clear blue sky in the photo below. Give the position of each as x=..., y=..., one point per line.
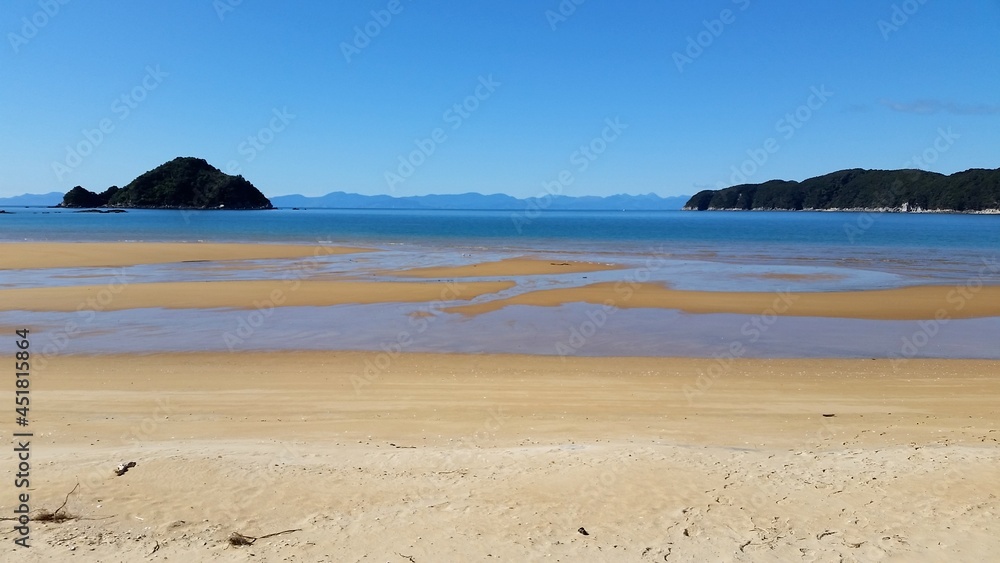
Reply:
x=200, y=77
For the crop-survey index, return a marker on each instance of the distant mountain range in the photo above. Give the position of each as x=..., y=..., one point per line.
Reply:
x=342, y=200
x=976, y=190
x=33, y=200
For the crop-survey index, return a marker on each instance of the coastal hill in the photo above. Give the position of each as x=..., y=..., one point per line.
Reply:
x=182, y=183
x=863, y=190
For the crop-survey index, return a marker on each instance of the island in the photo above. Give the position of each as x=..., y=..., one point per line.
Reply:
x=971, y=191
x=182, y=183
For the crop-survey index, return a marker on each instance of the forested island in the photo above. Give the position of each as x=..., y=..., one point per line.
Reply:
x=976, y=190
x=182, y=183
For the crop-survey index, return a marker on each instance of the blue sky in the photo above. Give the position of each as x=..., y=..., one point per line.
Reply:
x=451, y=96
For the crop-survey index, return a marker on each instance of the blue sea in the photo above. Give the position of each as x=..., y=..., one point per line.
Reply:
x=716, y=251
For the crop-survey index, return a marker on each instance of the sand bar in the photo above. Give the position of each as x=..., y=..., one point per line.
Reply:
x=487, y=458
x=22, y=255
x=910, y=303
x=509, y=267
x=119, y=296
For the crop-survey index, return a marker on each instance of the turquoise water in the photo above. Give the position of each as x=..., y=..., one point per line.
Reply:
x=932, y=243
x=717, y=251
x=505, y=228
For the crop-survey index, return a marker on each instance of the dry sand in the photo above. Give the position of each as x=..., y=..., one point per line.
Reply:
x=504, y=458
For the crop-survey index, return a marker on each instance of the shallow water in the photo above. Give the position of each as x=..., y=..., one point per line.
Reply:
x=766, y=252
x=568, y=330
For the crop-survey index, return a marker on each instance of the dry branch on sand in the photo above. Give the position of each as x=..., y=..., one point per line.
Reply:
x=57, y=515
x=239, y=539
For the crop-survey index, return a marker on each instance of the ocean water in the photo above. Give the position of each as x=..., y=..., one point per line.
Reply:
x=719, y=251
x=930, y=241
x=526, y=228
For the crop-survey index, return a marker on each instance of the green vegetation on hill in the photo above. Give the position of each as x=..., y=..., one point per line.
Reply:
x=182, y=183
x=82, y=197
x=972, y=190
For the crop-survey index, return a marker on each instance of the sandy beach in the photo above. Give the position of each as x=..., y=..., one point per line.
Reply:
x=395, y=456
x=568, y=281
x=480, y=458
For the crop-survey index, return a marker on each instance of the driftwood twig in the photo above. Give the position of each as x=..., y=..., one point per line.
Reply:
x=57, y=515
x=237, y=538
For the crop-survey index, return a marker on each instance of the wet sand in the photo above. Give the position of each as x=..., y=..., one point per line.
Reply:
x=908, y=303
x=79, y=255
x=509, y=267
x=241, y=294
